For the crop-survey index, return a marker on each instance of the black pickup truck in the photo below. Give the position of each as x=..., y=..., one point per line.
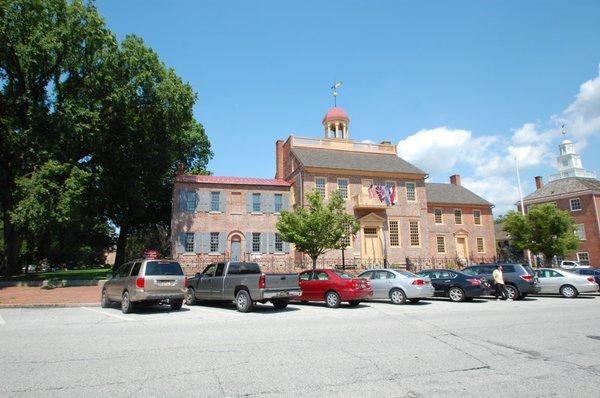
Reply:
x=244, y=283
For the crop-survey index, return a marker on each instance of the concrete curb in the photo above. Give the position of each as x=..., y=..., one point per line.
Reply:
x=53, y=283
x=46, y=305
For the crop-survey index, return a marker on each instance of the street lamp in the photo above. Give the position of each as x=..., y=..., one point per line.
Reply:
x=343, y=249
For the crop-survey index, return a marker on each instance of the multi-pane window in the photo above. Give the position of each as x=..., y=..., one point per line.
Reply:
x=477, y=217
x=583, y=258
x=441, y=244
x=575, y=204
x=256, y=202
x=580, y=231
x=278, y=202
x=458, y=216
x=215, y=200
x=278, y=243
x=189, y=242
x=437, y=216
x=411, y=194
x=256, y=242
x=480, y=245
x=214, y=242
x=343, y=187
x=320, y=183
x=413, y=229
x=394, y=233
x=190, y=199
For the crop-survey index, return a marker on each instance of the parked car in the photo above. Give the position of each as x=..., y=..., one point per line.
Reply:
x=570, y=264
x=397, y=285
x=244, y=283
x=588, y=272
x=456, y=285
x=565, y=283
x=333, y=287
x=519, y=279
x=145, y=282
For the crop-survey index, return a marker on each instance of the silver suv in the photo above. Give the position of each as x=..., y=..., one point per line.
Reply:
x=145, y=281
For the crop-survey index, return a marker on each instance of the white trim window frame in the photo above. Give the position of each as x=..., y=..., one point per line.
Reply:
x=583, y=258
x=460, y=214
x=435, y=216
x=321, y=189
x=412, y=233
x=412, y=193
x=443, y=244
x=189, y=242
x=477, y=217
x=577, y=207
x=394, y=232
x=214, y=243
x=479, y=240
x=580, y=231
x=346, y=191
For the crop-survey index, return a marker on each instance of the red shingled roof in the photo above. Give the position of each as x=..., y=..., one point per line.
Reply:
x=231, y=180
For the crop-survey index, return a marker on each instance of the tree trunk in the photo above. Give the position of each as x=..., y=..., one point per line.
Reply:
x=314, y=260
x=11, y=244
x=121, y=246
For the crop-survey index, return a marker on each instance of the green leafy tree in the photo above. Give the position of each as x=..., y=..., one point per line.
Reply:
x=154, y=236
x=50, y=54
x=544, y=229
x=318, y=227
x=147, y=129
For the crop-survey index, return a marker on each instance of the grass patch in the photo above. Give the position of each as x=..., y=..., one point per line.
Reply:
x=74, y=274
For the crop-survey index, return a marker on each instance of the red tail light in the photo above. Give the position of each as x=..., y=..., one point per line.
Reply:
x=418, y=282
x=356, y=284
x=591, y=279
x=262, y=281
x=474, y=282
x=527, y=278
x=140, y=281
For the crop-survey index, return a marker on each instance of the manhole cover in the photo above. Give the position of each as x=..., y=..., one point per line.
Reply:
x=594, y=337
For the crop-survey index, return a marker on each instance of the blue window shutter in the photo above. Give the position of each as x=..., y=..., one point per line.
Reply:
x=182, y=200
x=223, y=202
x=286, y=247
x=263, y=242
x=248, y=242
x=268, y=203
x=285, y=201
x=179, y=243
x=249, y=202
x=270, y=242
x=205, y=245
x=222, y=242
x=197, y=242
x=202, y=197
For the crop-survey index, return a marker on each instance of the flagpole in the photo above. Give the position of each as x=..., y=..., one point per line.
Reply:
x=522, y=204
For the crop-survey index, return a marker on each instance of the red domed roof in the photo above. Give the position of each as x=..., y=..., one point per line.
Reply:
x=336, y=113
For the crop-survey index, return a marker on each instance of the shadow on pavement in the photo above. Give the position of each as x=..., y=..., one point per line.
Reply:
x=321, y=304
x=585, y=296
x=478, y=300
x=258, y=308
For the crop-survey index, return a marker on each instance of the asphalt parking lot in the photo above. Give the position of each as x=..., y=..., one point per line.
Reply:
x=539, y=347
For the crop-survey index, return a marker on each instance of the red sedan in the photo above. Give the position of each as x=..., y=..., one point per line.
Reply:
x=333, y=287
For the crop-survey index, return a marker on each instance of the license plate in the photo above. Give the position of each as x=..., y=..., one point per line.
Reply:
x=166, y=283
x=284, y=293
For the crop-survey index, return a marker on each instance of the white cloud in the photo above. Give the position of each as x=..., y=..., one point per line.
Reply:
x=501, y=191
x=435, y=150
x=582, y=117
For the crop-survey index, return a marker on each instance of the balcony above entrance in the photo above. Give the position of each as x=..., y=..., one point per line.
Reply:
x=364, y=201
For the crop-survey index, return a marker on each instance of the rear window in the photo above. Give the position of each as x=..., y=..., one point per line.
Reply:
x=163, y=268
x=528, y=269
x=243, y=269
x=343, y=275
x=406, y=274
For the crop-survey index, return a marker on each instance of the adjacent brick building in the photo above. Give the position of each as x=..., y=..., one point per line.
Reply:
x=217, y=218
x=577, y=191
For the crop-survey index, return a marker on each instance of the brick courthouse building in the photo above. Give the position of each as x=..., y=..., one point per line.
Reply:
x=402, y=218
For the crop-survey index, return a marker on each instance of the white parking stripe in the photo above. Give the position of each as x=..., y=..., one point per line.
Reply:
x=225, y=311
x=107, y=313
x=2, y=321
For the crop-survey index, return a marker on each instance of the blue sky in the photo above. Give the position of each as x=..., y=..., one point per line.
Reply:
x=462, y=87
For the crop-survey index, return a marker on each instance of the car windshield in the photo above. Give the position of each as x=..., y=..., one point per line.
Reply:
x=343, y=275
x=163, y=268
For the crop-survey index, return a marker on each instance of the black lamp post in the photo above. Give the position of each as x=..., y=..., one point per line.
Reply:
x=343, y=249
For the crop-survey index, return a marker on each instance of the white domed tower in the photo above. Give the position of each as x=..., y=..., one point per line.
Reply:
x=336, y=123
x=569, y=162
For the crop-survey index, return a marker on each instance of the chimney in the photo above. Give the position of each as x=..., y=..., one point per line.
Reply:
x=538, y=182
x=279, y=159
x=455, y=179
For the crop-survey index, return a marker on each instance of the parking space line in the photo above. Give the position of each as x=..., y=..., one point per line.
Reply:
x=107, y=313
x=225, y=311
x=2, y=321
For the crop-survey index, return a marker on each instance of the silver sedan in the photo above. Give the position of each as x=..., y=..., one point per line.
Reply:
x=568, y=284
x=398, y=285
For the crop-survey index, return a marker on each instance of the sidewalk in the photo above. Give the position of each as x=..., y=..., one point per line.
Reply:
x=19, y=296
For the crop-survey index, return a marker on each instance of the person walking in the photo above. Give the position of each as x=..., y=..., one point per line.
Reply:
x=500, y=289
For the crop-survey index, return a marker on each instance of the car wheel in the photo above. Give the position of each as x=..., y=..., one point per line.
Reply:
x=397, y=296
x=456, y=294
x=104, y=301
x=414, y=300
x=126, y=304
x=243, y=301
x=332, y=299
x=190, y=296
x=280, y=303
x=513, y=292
x=568, y=291
x=176, y=304
x=354, y=303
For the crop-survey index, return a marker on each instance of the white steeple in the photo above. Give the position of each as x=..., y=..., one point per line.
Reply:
x=569, y=162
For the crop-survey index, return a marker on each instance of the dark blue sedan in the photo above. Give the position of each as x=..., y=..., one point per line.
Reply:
x=456, y=285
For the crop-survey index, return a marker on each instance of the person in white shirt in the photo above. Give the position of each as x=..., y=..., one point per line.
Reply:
x=500, y=289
